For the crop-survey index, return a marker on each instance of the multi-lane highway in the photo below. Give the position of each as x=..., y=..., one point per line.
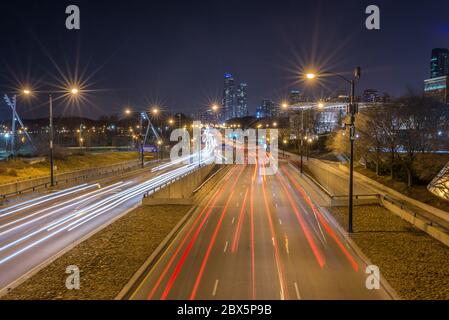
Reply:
x=35, y=230
x=258, y=237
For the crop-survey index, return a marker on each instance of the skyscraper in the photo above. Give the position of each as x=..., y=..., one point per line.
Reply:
x=371, y=95
x=295, y=97
x=229, y=97
x=267, y=109
x=242, y=101
x=439, y=63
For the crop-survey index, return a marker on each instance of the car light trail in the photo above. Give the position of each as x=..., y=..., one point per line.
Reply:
x=318, y=255
x=70, y=202
x=45, y=227
x=40, y=200
x=80, y=217
x=322, y=220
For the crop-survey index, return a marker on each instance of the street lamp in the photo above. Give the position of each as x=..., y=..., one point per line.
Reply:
x=310, y=76
x=159, y=143
x=73, y=91
x=352, y=110
x=142, y=116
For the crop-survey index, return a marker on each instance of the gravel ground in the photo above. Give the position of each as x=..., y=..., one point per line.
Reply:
x=107, y=260
x=415, y=264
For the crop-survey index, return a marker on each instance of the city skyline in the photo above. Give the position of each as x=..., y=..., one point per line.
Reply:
x=182, y=87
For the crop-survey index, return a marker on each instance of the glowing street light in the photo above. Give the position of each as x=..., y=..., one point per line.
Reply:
x=26, y=92
x=74, y=91
x=310, y=76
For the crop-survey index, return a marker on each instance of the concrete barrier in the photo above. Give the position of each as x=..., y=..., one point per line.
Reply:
x=181, y=191
x=419, y=222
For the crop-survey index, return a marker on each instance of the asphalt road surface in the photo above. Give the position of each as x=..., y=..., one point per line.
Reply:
x=258, y=237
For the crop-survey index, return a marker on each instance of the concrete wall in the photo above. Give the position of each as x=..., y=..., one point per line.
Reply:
x=65, y=178
x=181, y=191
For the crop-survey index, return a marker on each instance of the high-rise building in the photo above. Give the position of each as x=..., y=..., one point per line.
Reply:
x=371, y=95
x=229, y=97
x=296, y=97
x=242, y=101
x=267, y=109
x=437, y=88
x=439, y=63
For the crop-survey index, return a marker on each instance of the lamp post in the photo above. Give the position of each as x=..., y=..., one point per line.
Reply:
x=352, y=110
x=142, y=116
x=52, y=174
x=74, y=91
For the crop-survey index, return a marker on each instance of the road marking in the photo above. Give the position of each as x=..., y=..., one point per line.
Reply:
x=237, y=204
x=214, y=292
x=233, y=220
x=280, y=222
x=297, y=291
x=276, y=205
x=274, y=243
x=286, y=245
x=226, y=246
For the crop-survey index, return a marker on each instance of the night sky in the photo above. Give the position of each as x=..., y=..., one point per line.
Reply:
x=175, y=53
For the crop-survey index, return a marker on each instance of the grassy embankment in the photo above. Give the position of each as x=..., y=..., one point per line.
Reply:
x=17, y=170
